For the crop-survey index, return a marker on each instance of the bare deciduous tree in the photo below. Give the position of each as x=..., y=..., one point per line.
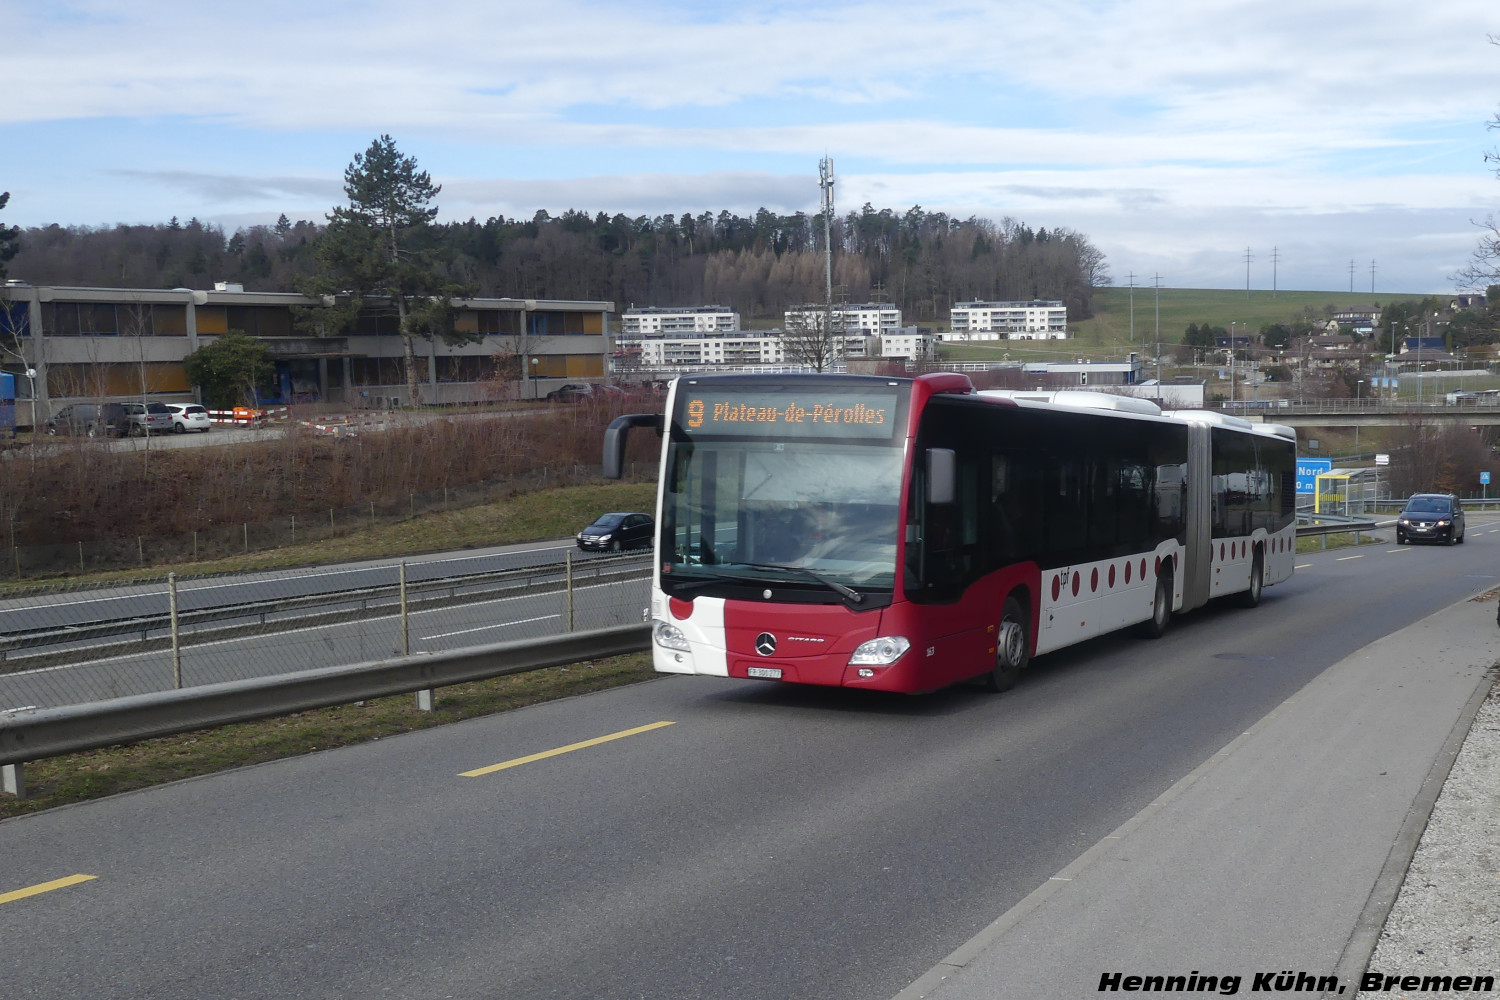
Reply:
x=808, y=340
x=1432, y=456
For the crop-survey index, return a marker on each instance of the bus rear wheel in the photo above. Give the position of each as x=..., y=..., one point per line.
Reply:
x=1161, y=608
x=1012, y=647
x=1251, y=597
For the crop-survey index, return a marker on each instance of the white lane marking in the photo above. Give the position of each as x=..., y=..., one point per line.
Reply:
x=486, y=628
x=1347, y=558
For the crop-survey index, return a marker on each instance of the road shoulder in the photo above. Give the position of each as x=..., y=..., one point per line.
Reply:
x=1264, y=858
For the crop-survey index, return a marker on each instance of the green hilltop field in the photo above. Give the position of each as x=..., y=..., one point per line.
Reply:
x=1107, y=336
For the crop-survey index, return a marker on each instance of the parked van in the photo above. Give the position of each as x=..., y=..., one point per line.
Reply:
x=91, y=420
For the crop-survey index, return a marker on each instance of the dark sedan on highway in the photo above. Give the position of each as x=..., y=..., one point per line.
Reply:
x=616, y=531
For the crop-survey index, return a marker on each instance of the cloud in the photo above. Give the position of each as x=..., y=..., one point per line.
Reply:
x=1162, y=129
x=230, y=188
x=633, y=194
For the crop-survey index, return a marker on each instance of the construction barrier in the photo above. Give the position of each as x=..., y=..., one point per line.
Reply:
x=249, y=416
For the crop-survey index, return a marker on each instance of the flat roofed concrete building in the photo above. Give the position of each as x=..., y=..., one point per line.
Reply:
x=1038, y=319
x=653, y=321
x=117, y=343
x=659, y=356
x=694, y=352
x=870, y=319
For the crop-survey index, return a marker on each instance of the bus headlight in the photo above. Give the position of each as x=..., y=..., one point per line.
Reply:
x=880, y=652
x=669, y=636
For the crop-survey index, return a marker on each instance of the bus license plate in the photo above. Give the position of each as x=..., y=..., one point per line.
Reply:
x=771, y=673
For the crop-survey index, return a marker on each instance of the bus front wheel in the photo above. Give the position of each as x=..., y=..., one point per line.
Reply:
x=1012, y=647
x=1161, y=608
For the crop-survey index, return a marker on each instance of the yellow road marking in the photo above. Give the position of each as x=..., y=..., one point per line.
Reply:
x=37, y=890
x=1347, y=558
x=478, y=771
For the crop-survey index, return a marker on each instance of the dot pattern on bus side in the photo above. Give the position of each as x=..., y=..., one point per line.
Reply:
x=1061, y=581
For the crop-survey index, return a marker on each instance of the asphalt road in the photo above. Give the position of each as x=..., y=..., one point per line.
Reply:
x=771, y=841
x=58, y=608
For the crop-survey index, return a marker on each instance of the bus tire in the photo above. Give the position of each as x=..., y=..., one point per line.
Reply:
x=1161, y=608
x=1012, y=647
x=1251, y=597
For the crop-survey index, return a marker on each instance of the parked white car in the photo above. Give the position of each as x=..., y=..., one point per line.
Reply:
x=189, y=417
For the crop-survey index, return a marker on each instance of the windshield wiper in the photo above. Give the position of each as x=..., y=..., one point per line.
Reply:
x=677, y=583
x=848, y=593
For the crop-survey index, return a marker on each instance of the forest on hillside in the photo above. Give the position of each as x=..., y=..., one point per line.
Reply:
x=922, y=261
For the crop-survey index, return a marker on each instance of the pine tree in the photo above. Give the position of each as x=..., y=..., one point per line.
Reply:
x=379, y=247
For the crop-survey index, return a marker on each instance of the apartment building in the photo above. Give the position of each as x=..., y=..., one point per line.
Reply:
x=663, y=355
x=1034, y=320
x=670, y=353
x=909, y=344
x=871, y=319
x=669, y=322
x=121, y=343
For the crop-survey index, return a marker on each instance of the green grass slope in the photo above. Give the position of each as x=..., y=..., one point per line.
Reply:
x=1107, y=335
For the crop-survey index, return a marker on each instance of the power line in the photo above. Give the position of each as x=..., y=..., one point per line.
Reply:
x=1275, y=258
x=1248, y=259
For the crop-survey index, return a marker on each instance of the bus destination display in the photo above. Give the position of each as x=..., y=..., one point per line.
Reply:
x=786, y=414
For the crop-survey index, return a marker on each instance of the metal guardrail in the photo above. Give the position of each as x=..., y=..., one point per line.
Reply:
x=32, y=734
x=1354, y=526
x=1335, y=524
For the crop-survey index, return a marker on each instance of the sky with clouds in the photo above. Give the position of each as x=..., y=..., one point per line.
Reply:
x=1324, y=139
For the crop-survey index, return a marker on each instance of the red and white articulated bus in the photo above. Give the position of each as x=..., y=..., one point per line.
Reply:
x=906, y=534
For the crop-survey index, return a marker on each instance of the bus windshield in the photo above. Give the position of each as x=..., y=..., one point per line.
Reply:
x=820, y=515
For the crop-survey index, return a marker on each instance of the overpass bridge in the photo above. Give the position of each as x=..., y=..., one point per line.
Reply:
x=1363, y=412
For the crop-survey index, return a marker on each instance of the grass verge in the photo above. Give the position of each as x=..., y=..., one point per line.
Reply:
x=1315, y=543
x=95, y=774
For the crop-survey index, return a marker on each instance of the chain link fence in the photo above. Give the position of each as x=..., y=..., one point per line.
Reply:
x=68, y=645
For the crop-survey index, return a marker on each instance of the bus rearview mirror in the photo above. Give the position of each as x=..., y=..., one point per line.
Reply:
x=942, y=464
